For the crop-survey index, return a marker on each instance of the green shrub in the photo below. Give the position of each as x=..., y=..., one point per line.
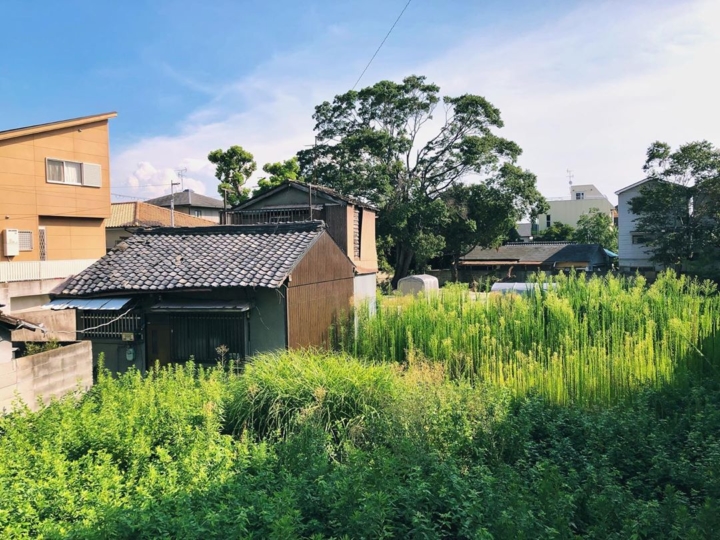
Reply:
x=279, y=392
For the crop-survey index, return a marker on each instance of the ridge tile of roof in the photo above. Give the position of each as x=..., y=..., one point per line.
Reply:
x=219, y=256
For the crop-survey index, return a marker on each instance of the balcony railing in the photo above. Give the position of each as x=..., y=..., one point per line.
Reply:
x=34, y=270
x=586, y=198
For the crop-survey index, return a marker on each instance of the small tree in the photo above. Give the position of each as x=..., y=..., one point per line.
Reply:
x=279, y=172
x=557, y=232
x=596, y=227
x=233, y=167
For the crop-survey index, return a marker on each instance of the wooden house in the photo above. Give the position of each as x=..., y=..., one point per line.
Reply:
x=350, y=222
x=172, y=294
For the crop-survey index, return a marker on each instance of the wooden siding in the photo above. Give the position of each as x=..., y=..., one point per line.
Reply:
x=368, y=250
x=324, y=262
x=313, y=308
x=320, y=289
x=336, y=219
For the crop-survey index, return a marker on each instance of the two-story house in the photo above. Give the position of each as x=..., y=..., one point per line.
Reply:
x=54, y=198
x=582, y=199
x=632, y=252
x=350, y=223
x=191, y=203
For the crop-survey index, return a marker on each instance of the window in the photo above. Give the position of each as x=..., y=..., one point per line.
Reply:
x=548, y=221
x=74, y=173
x=639, y=239
x=197, y=213
x=579, y=196
x=26, y=240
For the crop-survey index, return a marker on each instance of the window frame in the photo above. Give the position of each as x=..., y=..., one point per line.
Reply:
x=579, y=195
x=63, y=161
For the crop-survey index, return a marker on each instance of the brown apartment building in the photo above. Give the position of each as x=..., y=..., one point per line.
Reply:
x=54, y=198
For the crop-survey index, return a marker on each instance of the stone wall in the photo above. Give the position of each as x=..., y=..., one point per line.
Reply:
x=46, y=375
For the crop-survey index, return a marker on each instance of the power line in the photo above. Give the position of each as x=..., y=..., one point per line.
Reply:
x=381, y=44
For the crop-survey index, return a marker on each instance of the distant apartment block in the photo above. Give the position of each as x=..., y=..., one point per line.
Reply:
x=54, y=199
x=568, y=210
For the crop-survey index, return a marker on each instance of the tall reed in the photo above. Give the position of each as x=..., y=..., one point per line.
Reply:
x=583, y=340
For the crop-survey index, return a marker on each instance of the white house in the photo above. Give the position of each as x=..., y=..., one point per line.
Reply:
x=632, y=252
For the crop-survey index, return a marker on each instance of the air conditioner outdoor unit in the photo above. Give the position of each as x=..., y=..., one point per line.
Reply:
x=11, y=242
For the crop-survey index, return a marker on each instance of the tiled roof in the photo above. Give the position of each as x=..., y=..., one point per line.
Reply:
x=13, y=323
x=535, y=252
x=322, y=190
x=140, y=214
x=187, y=198
x=192, y=258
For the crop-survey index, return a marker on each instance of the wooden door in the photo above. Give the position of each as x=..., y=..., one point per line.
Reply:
x=158, y=344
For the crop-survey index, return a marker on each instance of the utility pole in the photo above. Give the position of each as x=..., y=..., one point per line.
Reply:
x=172, y=202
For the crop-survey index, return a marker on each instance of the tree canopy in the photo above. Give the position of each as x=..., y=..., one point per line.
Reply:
x=556, y=232
x=596, y=227
x=233, y=167
x=279, y=172
x=376, y=144
x=679, y=210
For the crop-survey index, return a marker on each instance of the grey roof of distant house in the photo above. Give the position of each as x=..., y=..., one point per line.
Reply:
x=187, y=198
x=198, y=257
x=535, y=252
x=324, y=192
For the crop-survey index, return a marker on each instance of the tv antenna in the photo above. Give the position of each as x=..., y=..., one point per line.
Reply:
x=181, y=176
x=570, y=176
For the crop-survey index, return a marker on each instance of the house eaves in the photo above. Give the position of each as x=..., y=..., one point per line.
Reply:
x=52, y=126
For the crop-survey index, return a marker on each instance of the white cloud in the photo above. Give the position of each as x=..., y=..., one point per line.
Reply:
x=589, y=91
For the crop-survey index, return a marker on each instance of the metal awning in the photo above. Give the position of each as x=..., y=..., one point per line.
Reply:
x=95, y=304
x=203, y=305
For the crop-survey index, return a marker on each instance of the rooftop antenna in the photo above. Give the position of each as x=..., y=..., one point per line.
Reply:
x=181, y=175
x=570, y=176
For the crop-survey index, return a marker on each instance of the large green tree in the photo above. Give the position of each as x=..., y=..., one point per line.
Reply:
x=278, y=173
x=678, y=212
x=401, y=147
x=233, y=167
x=484, y=214
x=596, y=227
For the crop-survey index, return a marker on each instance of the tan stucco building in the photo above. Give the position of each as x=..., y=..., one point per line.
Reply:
x=54, y=199
x=583, y=198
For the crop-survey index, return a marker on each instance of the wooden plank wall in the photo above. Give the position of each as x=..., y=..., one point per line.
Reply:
x=313, y=308
x=320, y=290
x=324, y=262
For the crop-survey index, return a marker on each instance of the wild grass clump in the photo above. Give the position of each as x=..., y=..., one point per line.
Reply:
x=592, y=341
x=278, y=393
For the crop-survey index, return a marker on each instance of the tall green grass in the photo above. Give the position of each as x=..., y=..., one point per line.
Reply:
x=583, y=340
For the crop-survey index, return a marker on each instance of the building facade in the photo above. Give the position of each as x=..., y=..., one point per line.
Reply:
x=633, y=254
x=54, y=199
x=582, y=199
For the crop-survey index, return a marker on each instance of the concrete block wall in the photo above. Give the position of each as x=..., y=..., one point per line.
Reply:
x=46, y=375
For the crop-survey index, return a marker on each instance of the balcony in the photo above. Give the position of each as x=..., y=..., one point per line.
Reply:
x=39, y=270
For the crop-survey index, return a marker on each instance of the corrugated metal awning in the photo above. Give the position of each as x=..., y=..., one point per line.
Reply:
x=95, y=304
x=203, y=305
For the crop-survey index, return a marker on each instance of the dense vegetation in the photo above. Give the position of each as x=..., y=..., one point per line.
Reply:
x=320, y=445
x=573, y=340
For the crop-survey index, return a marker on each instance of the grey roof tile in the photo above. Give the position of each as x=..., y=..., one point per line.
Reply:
x=221, y=256
x=535, y=252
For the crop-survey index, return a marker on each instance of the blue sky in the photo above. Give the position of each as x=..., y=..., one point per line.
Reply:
x=581, y=85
